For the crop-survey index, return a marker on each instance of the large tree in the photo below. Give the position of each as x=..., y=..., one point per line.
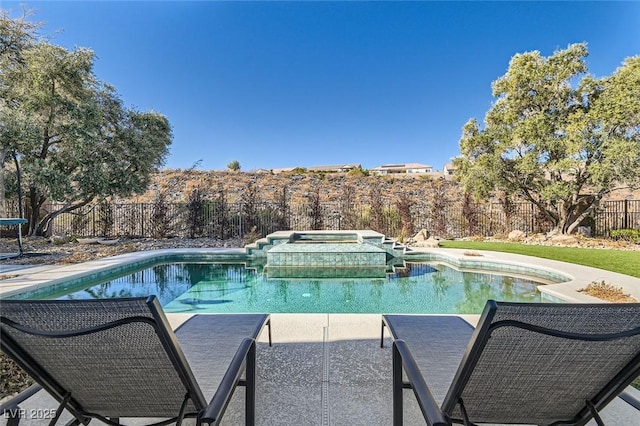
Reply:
x=556, y=136
x=74, y=139
x=16, y=35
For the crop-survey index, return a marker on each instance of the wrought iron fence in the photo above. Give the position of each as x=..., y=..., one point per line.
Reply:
x=236, y=220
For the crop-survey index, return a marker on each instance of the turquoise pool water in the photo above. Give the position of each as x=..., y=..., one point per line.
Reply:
x=219, y=288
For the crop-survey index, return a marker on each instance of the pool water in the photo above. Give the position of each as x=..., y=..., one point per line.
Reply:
x=219, y=288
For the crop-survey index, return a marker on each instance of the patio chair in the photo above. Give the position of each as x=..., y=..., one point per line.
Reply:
x=525, y=363
x=118, y=358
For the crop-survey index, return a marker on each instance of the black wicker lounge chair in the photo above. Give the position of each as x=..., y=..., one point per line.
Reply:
x=118, y=358
x=525, y=363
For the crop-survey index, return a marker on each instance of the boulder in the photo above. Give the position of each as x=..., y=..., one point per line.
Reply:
x=422, y=235
x=428, y=243
x=516, y=235
x=585, y=231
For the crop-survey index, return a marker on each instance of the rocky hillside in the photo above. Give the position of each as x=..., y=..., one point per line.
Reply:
x=298, y=187
x=179, y=184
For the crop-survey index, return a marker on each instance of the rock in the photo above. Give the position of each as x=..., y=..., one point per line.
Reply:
x=585, y=231
x=428, y=243
x=422, y=235
x=516, y=235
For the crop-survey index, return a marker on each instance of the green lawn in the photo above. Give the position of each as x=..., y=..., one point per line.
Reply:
x=622, y=261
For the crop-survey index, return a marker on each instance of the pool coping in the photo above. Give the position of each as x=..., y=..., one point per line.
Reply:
x=575, y=276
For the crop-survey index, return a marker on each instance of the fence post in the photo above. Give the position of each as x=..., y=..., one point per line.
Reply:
x=142, y=220
x=625, y=220
x=240, y=221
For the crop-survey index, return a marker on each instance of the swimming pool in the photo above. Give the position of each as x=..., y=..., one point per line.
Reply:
x=206, y=287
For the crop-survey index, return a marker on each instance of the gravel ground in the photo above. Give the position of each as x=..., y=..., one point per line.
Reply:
x=45, y=251
x=42, y=251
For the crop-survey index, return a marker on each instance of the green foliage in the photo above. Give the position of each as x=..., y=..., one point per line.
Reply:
x=358, y=172
x=631, y=235
x=74, y=138
x=234, y=166
x=558, y=146
x=299, y=170
x=392, y=222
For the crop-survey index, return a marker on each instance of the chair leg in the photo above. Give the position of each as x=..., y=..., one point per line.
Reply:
x=13, y=417
x=269, y=329
x=382, y=335
x=596, y=415
x=397, y=386
x=250, y=387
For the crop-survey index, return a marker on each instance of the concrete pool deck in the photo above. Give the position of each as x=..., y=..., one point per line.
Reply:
x=329, y=369
x=325, y=369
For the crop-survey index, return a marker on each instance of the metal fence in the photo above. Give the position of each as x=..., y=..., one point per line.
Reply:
x=237, y=220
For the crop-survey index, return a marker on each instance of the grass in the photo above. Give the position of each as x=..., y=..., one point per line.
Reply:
x=622, y=261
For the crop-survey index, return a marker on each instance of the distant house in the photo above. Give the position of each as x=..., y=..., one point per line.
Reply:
x=338, y=168
x=282, y=170
x=262, y=171
x=406, y=168
x=449, y=169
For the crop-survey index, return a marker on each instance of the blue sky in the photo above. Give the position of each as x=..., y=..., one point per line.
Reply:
x=284, y=84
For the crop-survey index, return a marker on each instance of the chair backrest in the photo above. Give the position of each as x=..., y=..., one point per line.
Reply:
x=539, y=363
x=113, y=358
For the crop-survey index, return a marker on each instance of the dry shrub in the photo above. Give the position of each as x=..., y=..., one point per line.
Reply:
x=608, y=292
x=7, y=277
x=252, y=236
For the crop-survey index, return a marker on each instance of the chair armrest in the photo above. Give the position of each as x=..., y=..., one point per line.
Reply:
x=11, y=408
x=430, y=409
x=213, y=412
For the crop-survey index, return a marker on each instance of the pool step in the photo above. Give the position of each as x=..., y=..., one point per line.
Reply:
x=392, y=247
x=328, y=255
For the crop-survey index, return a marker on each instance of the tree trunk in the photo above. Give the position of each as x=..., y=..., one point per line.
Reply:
x=585, y=209
x=3, y=206
x=34, y=213
x=44, y=228
x=19, y=183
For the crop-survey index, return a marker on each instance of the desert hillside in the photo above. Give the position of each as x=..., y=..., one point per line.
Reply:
x=298, y=187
